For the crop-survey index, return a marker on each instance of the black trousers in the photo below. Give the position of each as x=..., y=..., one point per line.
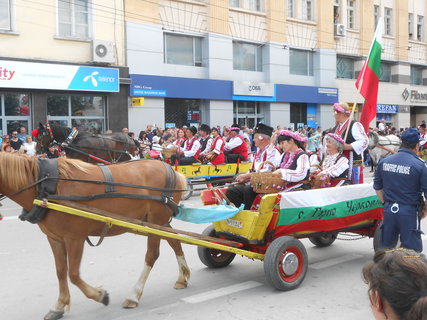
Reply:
x=241, y=193
x=183, y=160
x=232, y=157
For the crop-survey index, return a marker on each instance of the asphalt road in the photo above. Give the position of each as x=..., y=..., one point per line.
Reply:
x=332, y=289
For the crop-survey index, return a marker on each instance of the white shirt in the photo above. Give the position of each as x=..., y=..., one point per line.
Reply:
x=269, y=153
x=208, y=145
x=233, y=143
x=381, y=126
x=361, y=139
x=218, y=145
x=299, y=174
x=333, y=169
x=30, y=148
x=196, y=146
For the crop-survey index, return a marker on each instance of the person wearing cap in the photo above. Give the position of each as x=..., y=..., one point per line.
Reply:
x=236, y=147
x=356, y=140
x=190, y=152
x=295, y=165
x=266, y=151
x=400, y=181
x=216, y=155
x=335, y=164
x=205, y=141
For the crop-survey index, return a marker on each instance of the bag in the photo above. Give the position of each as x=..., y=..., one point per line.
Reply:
x=154, y=154
x=320, y=181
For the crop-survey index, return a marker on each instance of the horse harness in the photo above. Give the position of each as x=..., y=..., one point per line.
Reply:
x=382, y=146
x=47, y=184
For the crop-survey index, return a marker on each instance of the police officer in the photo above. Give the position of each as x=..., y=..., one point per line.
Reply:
x=400, y=181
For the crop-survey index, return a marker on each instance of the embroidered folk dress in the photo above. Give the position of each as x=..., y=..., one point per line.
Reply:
x=335, y=165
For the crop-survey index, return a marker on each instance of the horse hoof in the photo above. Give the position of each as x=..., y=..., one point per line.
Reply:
x=105, y=298
x=53, y=315
x=129, y=304
x=180, y=285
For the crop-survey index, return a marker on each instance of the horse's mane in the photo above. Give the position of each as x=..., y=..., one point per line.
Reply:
x=18, y=170
x=67, y=165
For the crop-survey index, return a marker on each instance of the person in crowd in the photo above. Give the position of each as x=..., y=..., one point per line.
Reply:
x=334, y=165
x=216, y=155
x=422, y=152
x=168, y=141
x=180, y=139
x=295, y=164
x=266, y=151
x=381, y=127
x=313, y=141
x=125, y=130
x=205, y=141
x=190, y=152
x=132, y=136
x=150, y=133
x=226, y=133
x=397, y=281
x=30, y=146
x=356, y=140
x=157, y=144
x=7, y=148
x=15, y=142
x=400, y=181
x=236, y=147
x=22, y=134
x=51, y=152
x=144, y=143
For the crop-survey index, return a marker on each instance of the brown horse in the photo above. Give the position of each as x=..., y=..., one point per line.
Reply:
x=67, y=233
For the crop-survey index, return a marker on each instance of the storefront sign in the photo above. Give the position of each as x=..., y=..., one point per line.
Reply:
x=250, y=88
x=169, y=125
x=29, y=75
x=387, y=108
x=193, y=116
x=148, y=91
x=414, y=95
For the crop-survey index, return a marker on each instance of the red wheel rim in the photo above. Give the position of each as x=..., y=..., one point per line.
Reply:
x=294, y=276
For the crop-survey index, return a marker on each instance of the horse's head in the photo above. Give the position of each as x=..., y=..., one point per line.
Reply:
x=43, y=138
x=373, y=139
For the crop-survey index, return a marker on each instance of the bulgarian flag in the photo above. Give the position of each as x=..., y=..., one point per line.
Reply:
x=368, y=80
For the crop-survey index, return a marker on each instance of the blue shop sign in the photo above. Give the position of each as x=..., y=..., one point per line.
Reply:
x=387, y=108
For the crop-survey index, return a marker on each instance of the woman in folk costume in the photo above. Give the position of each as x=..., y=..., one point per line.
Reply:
x=190, y=152
x=180, y=139
x=295, y=165
x=236, y=147
x=216, y=155
x=355, y=142
x=266, y=151
x=335, y=165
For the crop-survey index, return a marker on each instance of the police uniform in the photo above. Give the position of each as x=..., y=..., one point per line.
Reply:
x=403, y=179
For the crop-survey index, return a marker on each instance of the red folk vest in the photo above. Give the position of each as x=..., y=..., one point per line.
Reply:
x=242, y=149
x=189, y=146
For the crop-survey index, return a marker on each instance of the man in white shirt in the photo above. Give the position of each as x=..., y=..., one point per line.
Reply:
x=236, y=148
x=381, y=127
x=356, y=140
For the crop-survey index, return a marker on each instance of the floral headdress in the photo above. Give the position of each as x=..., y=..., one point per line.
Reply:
x=293, y=135
x=340, y=109
x=336, y=137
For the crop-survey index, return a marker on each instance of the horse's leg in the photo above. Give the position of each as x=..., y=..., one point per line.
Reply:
x=63, y=302
x=153, y=244
x=184, y=270
x=75, y=253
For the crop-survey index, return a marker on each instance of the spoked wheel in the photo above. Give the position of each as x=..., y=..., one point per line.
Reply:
x=214, y=258
x=189, y=192
x=325, y=240
x=285, y=263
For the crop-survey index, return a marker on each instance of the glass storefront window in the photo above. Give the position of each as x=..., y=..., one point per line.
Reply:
x=247, y=113
x=86, y=113
x=16, y=104
x=15, y=111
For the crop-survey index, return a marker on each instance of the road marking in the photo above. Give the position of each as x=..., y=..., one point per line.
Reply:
x=216, y=293
x=334, y=261
x=10, y=218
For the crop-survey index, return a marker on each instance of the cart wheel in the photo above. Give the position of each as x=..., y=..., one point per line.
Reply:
x=324, y=240
x=189, y=192
x=214, y=258
x=285, y=263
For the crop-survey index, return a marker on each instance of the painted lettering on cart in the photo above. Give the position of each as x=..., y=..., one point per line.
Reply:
x=354, y=207
x=6, y=74
x=321, y=212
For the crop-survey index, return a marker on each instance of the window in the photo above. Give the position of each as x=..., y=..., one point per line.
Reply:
x=86, y=113
x=336, y=11
x=301, y=62
x=15, y=111
x=73, y=19
x=290, y=9
x=184, y=50
x=247, y=113
x=410, y=25
x=307, y=10
x=247, y=56
x=350, y=14
x=387, y=21
x=255, y=5
x=6, y=15
x=235, y=3
x=376, y=15
x=416, y=75
x=385, y=72
x=420, y=28
x=345, y=68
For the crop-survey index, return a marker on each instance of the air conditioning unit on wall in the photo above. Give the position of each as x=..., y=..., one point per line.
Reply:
x=103, y=51
x=339, y=30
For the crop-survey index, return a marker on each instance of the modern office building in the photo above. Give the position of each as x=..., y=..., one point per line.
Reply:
x=283, y=62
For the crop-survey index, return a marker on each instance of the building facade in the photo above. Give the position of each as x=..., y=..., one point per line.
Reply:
x=63, y=62
x=283, y=62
